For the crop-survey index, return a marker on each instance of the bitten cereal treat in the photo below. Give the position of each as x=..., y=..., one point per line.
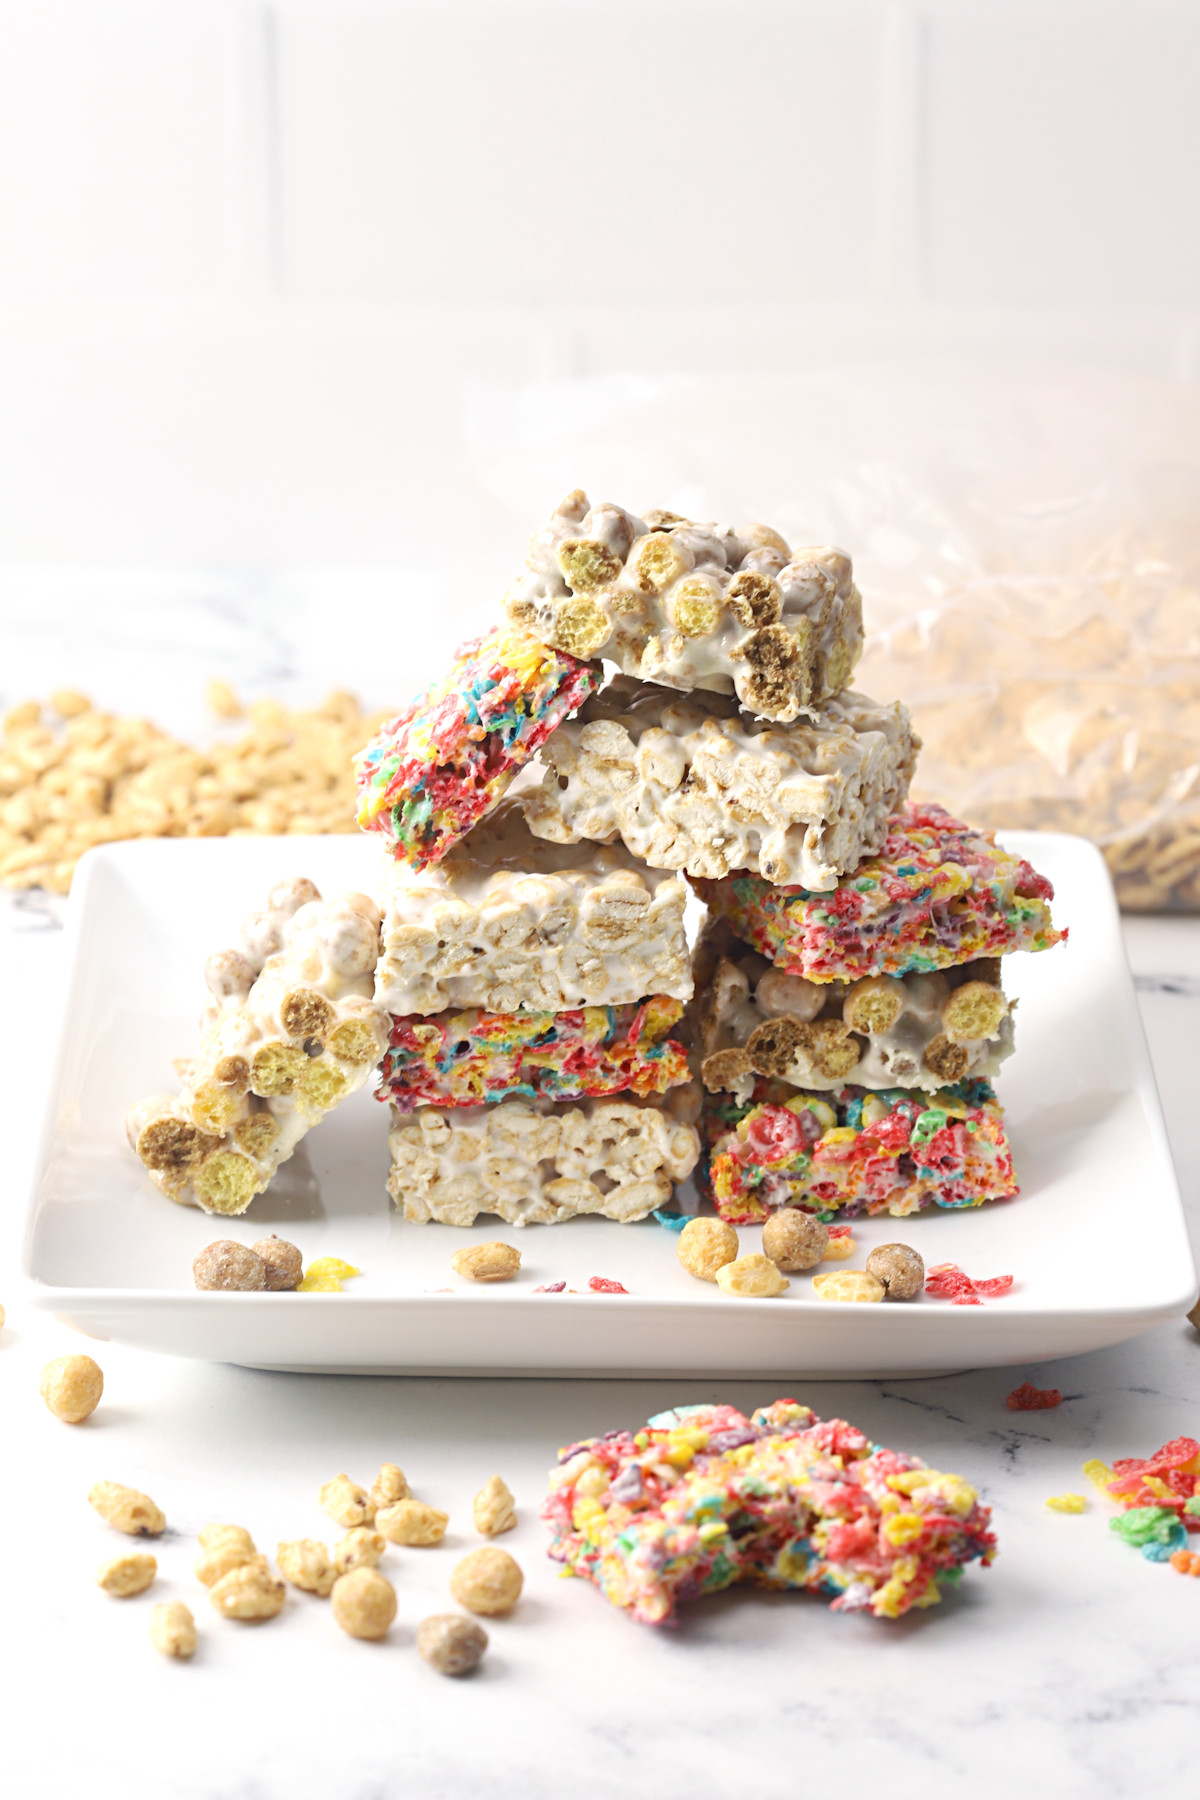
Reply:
x=508, y=923
x=853, y=1152
x=534, y=1163
x=688, y=782
x=702, y=1497
x=693, y=606
x=289, y=1032
x=932, y=894
x=433, y=772
x=71, y=1386
x=912, y=1031
x=592, y=1052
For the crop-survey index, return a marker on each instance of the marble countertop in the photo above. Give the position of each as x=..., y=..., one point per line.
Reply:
x=1072, y=1666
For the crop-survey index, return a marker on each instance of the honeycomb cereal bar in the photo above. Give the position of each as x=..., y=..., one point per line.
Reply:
x=430, y=774
x=511, y=923
x=290, y=1030
x=912, y=1031
x=936, y=893
x=534, y=1163
x=690, y=783
x=689, y=605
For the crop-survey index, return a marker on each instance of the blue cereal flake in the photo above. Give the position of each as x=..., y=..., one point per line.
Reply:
x=1154, y=1530
x=672, y=1221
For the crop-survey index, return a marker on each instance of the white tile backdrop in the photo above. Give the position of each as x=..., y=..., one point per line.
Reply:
x=257, y=255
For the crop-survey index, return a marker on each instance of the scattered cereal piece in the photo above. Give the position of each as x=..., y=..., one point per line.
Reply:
x=388, y=1486
x=364, y=1602
x=305, y=1563
x=69, y=703
x=359, y=1549
x=346, y=1502
x=794, y=1239
x=451, y=1644
x=1067, y=1503
x=601, y=1284
x=1193, y=1316
x=946, y=1281
x=841, y=1245
x=752, y=1277
x=248, y=1593
x=487, y=1581
x=412, y=1522
x=494, y=1509
x=222, y=700
x=126, y=1575
x=706, y=1245
x=900, y=1268
x=1154, y=1530
x=71, y=1386
x=848, y=1284
x=1185, y=1561
x=552, y=1287
x=222, y=1547
x=1027, y=1398
x=127, y=1510
x=3, y=1316
x=493, y=1261
x=671, y=1221
x=229, y=1266
x=173, y=1629
x=282, y=1263
x=326, y=1275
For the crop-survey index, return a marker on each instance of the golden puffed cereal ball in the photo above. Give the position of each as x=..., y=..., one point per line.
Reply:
x=71, y=1386
x=705, y=1245
x=364, y=1603
x=487, y=1581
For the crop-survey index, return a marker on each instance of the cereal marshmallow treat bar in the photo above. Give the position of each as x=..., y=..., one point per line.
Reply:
x=693, y=606
x=703, y=1497
x=434, y=771
x=913, y=1031
x=933, y=893
x=290, y=1030
x=692, y=783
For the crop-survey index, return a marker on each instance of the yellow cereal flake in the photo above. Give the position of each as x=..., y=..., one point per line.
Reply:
x=1068, y=1503
x=1099, y=1474
x=326, y=1275
x=839, y=1249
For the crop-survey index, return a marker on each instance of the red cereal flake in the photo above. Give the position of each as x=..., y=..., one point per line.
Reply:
x=552, y=1287
x=946, y=1281
x=1027, y=1398
x=600, y=1284
x=840, y=1231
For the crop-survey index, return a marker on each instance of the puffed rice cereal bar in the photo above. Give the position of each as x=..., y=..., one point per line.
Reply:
x=915, y=1031
x=694, y=606
x=535, y=1163
x=290, y=1030
x=691, y=783
x=511, y=923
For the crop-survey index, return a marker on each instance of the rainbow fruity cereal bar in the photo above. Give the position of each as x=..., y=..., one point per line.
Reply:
x=510, y=923
x=467, y=1058
x=535, y=1163
x=689, y=782
x=693, y=606
x=935, y=894
x=853, y=1151
x=435, y=770
x=702, y=1497
x=289, y=1032
x=911, y=1031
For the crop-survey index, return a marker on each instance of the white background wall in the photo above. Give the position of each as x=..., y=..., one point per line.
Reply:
x=265, y=267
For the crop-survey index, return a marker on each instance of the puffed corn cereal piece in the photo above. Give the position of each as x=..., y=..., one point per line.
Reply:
x=222, y=700
x=222, y=1547
x=494, y=1509
x=388, y=1486
x=71, y=1386
x=126, y=1575
x=848, y=1284
x=412, y=1522
x=364, y=1603
x=487, y=1581
x=795, y=1240
x=346, y=1502
x=451, y=1644
x=173, y=1629
x=249, y=1593
x=752, y=1277
x=127, y=1510
x=706, y=1246
x=359, y=1549
x=305, y=1562
x=839, y=1249
x=492, y=1261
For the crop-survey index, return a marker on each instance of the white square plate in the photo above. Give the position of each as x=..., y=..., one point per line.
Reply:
x=1096, y=1240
